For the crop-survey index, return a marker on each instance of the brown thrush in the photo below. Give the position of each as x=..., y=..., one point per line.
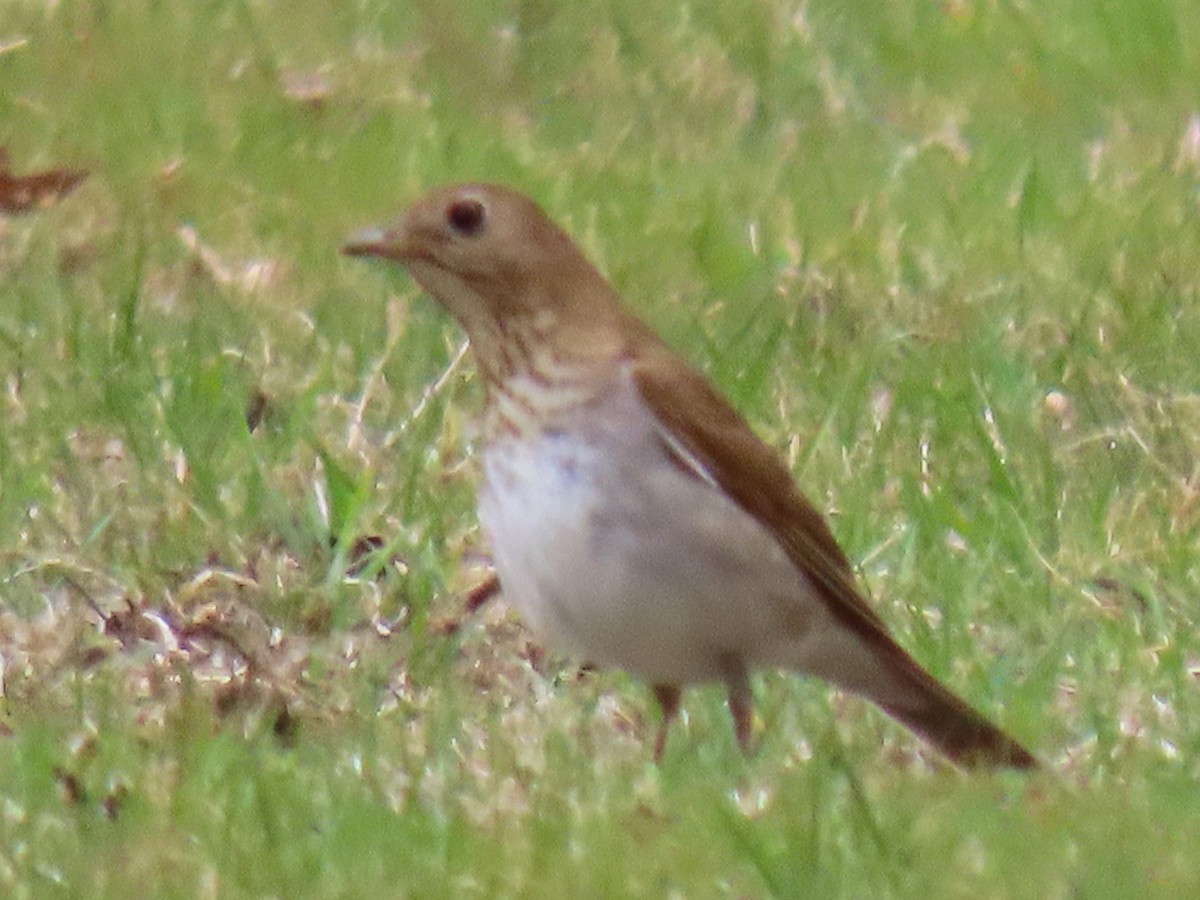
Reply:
x=635, y=518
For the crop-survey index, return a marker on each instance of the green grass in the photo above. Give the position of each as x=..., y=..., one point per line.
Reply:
x=943, y=255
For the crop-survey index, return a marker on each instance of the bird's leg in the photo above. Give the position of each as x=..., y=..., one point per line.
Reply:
x=667, y=696
x=741, y=700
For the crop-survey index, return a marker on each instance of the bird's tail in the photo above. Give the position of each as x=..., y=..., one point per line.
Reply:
x=897, y=684
x=954, y=728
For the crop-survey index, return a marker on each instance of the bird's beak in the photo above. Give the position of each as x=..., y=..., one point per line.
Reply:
x=374, y=242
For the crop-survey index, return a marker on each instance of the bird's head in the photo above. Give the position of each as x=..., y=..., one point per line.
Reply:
x=490, y=255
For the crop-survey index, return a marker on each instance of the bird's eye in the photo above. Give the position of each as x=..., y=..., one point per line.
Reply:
x=466, y=217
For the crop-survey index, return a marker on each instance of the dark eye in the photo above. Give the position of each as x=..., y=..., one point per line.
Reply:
x=466, y=216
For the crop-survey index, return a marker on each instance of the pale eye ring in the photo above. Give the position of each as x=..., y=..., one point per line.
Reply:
x=466, y=216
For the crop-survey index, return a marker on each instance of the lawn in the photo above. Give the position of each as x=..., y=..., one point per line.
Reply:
x=943, y=256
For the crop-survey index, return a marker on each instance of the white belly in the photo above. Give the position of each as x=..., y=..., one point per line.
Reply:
x=610, y=551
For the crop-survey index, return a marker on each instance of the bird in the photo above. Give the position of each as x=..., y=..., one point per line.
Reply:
x=636, y=520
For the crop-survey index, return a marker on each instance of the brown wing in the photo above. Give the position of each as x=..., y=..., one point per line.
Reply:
x=713, y=439
x=709, y=437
